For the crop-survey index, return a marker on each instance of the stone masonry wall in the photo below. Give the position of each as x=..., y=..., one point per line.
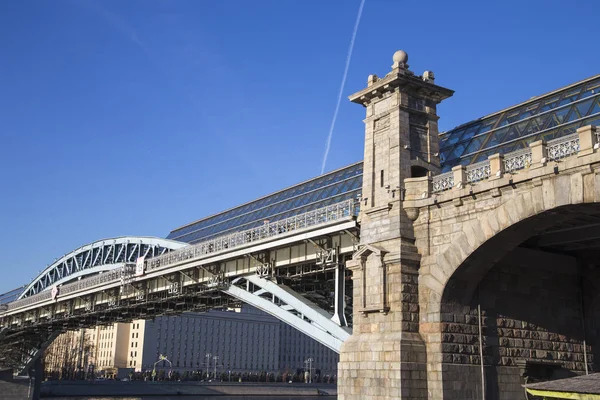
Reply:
x=527, y=314
x=463, y=233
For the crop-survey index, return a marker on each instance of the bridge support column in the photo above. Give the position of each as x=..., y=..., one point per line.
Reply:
x=386, y=358
x=21, y=388
x=36, y=374
x=339, y=315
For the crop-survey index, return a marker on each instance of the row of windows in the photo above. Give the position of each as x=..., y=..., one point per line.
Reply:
x=106, y=354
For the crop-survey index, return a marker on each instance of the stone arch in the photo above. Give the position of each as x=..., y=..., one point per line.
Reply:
x=547, y=195
x=451, y=277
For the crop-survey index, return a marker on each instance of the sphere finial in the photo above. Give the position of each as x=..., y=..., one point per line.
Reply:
x=400, y=57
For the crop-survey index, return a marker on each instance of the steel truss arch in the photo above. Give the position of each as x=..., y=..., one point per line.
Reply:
x=99, y=256
x=290, y=307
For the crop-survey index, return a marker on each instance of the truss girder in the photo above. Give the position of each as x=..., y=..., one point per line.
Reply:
x=99, y=256
x=291, y=308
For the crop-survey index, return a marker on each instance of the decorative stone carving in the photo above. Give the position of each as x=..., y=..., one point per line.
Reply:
x=381, y=123
x=428, y=76
x=412, y=213
x=369, y=262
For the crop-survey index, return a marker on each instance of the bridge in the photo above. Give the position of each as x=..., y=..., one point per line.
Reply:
x=472, y=253
x=101, y=284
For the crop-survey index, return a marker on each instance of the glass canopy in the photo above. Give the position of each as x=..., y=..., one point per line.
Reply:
x=11, y=296
x=546, y=117
x=326, y=189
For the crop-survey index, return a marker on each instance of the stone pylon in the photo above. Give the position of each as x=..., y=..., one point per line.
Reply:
x=385, y=357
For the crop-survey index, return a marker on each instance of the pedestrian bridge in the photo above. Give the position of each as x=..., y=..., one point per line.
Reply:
x=471, y=255
x=117, y=280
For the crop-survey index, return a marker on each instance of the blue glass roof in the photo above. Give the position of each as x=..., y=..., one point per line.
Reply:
x=11, y=296
x=326, y=189
x=546, y=117
x=552, y=115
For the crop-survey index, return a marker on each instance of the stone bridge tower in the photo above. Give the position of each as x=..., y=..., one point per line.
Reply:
x=385, y=358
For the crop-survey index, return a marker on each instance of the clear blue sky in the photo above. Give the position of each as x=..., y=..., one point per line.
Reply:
x=136, y=117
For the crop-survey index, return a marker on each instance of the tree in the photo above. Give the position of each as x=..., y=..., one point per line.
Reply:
x=66, y=357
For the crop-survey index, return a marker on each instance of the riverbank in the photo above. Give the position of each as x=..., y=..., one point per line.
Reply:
x=145, y=389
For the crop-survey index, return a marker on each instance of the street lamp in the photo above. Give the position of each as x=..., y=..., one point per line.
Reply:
x=309, y=362
x=208, y=355
x=215, y=358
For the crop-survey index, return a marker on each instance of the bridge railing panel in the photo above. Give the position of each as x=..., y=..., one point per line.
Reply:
x=517, y=160
x=443, y=182
x=563, y=147
x=268, y=230
x=478, y=171
x=554, y=150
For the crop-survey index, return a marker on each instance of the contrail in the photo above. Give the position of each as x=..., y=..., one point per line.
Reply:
x=339, y=100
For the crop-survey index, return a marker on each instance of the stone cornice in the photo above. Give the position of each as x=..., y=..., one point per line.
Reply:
x=406, y=81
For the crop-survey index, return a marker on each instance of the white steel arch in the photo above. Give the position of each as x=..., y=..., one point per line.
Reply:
x=290, y=307
x=99, y=256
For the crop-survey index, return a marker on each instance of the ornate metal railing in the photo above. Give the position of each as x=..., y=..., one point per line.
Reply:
x=96, y=280
x=443, y=182
x=563, y=147
x=557, y=149
x=478, y=171
x=308, y=219
x=517, y=160
x=311, y=218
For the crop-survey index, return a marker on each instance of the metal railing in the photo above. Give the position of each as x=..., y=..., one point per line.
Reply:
x=443, y=182
x=563, y=147
x=557, y=149
x=320, y=216
x=517, y=160
x=478, y=171
x=268, y=230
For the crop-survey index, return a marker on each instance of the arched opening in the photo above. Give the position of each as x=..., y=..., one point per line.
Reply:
x=530, y=296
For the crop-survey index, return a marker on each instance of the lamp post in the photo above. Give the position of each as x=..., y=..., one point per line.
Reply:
x=309, y=361
x=208, y=355
x=215, y=358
